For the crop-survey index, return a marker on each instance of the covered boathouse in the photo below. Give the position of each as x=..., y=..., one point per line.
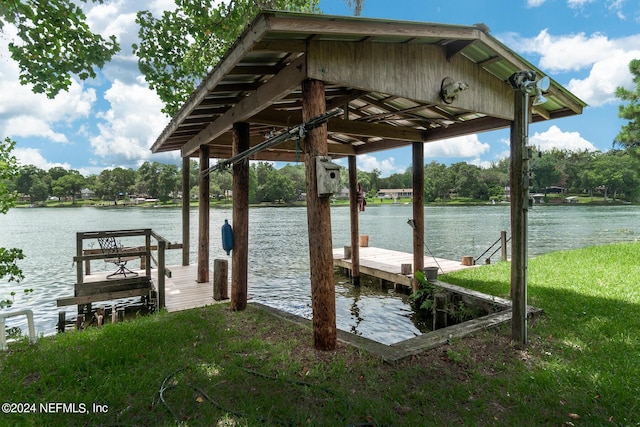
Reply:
x=385, y=84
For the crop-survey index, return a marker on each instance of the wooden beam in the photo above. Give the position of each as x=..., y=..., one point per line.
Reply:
x=353, y=216
x=275, y=88
x=240, y=254
x=411, y=71
x=203, y=218
x=244, y=45
x=323, y=299
x=348, y=127
x=418, y=208
x=519, y=198
x=186, y=198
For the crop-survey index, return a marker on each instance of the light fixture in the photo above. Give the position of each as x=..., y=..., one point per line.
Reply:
x=527, y=83
x=449, y=89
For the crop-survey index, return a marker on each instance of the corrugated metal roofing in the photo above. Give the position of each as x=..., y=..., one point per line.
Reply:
x=374, y=119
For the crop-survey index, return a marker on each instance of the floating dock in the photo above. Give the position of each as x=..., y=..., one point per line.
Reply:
x=387, y=264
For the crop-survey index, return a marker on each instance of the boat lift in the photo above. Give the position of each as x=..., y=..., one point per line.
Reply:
x=297, y=132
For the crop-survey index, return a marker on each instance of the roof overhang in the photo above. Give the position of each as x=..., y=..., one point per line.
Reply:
x=387, y=76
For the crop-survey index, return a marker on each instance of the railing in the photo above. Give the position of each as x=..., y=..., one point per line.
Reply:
x=502, y=241
x=84, y=257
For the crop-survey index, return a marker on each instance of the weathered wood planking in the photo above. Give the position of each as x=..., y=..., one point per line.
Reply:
x=386, y=264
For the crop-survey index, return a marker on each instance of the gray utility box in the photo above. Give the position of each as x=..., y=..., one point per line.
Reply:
x=327, y=176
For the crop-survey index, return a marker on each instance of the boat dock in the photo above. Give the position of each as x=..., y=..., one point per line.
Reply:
x=387, y=264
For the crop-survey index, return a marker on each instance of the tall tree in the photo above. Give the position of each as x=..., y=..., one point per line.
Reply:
x=8, y=171
x=629, y=135
x=54, y=43
x=177, y=50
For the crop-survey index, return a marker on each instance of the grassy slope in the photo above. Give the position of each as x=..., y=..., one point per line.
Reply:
x=582, y=366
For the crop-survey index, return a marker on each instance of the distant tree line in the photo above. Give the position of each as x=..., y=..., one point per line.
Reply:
x=613, y=174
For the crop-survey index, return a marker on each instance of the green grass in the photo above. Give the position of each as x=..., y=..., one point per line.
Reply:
x=216, y=367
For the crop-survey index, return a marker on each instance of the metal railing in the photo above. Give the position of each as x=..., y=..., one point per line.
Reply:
x=502, y=246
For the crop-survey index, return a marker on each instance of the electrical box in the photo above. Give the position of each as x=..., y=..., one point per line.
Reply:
x=327, y=176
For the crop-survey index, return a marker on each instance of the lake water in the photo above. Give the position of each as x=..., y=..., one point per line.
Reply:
x=278, y=251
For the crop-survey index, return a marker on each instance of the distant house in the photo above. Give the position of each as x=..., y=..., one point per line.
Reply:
x=86, y=194
x=395, y=193
x=555, y=190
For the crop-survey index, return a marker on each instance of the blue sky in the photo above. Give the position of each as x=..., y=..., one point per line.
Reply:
x=112, y=121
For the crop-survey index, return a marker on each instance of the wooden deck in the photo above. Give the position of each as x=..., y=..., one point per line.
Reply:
x=182, y=292
x=385, y=264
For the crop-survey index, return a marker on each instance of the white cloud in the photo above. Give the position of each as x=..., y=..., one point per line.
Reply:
x=28, y=126
x=130, y=126
x=33, y=156
x=26, y=114
x=556, y=138
x=367, y=163
x=535, y=3
x=605, y=60
x=467, y=146
x=575, y=4
x=598, y=88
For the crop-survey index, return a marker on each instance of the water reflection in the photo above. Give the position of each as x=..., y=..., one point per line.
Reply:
x=278, y=252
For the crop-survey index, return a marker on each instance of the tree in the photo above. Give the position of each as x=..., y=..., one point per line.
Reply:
x=8, y=171
x=437, y=181
x=546, y=172
x=629, y=135
x=69, y=184
x=55, y=43
x=111, y=184
x=179, y=49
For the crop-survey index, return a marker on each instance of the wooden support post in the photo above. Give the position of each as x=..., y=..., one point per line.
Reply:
x=203, y=217
x=147, y=248
x=418, y=208
x=79, y=272
x=323, y=298
x=121, y=315
x=353, y=213
x=80, y=322
x=468, y=260
x=440, y=310
x=62, y=321
x=240, y=253
x=186, y=197
x=220, y=279
x=519, y=208
x=405, y=269
x=503, y=245
x=114, y=314
x=347, y=252
x=162, y=246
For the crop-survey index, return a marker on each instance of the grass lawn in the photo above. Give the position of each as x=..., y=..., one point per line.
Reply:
x=211, y=366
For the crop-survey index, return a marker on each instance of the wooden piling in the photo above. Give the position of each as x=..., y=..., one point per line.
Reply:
x=240, y=254
x=347, y=252
x=417, y=154
x=114, y=314
x=323, y=298
x=353, y=215
x=220, y=279
x=364, y=241
x=204, y=208
x=62, y=320
x=503, y=245
x=405, y=269
x=440, y=310
x=80, y=322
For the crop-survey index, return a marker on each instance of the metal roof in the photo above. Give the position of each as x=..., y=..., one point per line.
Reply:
x=386, y=75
